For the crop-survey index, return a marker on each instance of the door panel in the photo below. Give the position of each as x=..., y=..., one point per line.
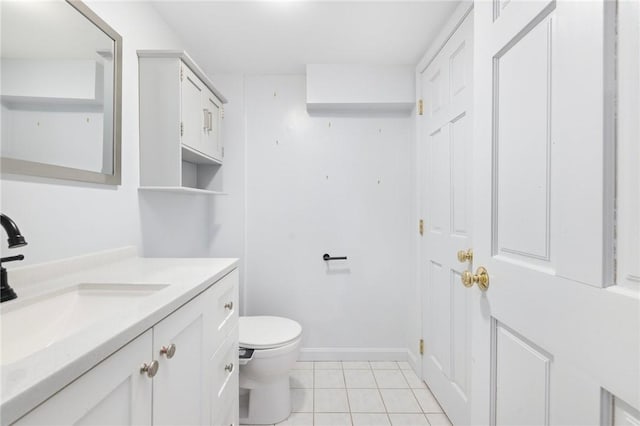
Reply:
x=461, y=152
x=548, y=336
x=460, y=348
x=522, y=145
x=440, y=172
x=446, y=144
x=522, y=380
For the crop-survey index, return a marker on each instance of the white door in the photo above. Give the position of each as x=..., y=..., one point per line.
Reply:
x=446, y=149
x=554, y=340
x=112, y=393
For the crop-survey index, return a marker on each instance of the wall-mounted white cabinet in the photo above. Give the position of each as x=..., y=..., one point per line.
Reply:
x=194, y=355
x=180, y=117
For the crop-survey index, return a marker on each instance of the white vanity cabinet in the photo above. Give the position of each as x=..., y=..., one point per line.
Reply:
x=196, y=381
x=112, y=393
x=180, y=117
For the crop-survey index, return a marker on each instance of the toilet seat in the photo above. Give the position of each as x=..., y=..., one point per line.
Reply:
x=267, y=332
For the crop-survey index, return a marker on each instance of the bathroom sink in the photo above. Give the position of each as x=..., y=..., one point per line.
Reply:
x=33, y=324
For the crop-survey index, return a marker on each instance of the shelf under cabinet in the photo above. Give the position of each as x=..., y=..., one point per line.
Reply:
x=193, y=156
x=180, y=190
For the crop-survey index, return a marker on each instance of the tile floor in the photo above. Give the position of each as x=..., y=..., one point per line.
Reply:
x=361, y=393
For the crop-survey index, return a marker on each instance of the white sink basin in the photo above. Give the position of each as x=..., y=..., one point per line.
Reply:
x=31, y=325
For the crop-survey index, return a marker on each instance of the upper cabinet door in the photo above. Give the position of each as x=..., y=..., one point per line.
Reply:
x=192, y=118
x=211, y=144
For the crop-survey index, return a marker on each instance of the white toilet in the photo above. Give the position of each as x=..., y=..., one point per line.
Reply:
x=265, y=397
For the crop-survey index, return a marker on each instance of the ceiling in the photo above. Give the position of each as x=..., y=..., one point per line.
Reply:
x=282, y=36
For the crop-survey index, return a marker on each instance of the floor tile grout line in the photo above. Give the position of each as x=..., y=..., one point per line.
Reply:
x=346, y=391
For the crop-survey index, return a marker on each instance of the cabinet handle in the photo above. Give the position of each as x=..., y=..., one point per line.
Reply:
x=228, y=306
x=168, y=351
x=210, y=121
x=151, y=369
x=228, y=367
x=206, y=117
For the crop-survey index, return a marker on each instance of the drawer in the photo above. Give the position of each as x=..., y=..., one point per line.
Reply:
x=225, y=307
x=224, y=378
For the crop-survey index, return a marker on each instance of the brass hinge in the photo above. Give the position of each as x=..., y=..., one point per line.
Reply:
x=421, y=346
x=420, y=107
x=181, y=128
x=421, y=227
x=181, y=73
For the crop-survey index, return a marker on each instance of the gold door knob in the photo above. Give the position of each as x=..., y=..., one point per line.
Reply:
x=151, y=369
x=465, y=255
x=168, y=351
x=481, y=277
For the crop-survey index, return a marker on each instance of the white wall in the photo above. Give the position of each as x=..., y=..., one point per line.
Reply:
x=62, y=218
x=227, y=219
x=338, y=185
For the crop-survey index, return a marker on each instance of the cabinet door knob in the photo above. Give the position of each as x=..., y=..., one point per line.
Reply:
x=168, y=351
x=228, y=306
x=228, y=367
x=151, y=369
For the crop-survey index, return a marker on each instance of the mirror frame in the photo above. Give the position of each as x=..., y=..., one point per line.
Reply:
x=32, y=168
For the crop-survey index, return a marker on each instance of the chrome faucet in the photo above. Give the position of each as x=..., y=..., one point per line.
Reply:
x=15, y=240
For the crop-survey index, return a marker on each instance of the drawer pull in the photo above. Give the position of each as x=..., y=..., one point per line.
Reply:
x=228, y=367
x=168, y=351
x=228, y=306
x=151, y=369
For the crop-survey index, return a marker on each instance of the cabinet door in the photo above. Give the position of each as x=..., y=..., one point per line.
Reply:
x=211, y=144
x=114, y=392
x=192, y=117
x=180, y=396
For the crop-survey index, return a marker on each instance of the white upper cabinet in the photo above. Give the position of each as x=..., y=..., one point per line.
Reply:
x=180, y=116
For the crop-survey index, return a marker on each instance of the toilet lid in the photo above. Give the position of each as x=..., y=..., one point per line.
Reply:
x=263, y=332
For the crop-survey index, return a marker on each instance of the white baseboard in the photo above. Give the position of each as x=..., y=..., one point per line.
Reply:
x=415, y=361
x=353, y=354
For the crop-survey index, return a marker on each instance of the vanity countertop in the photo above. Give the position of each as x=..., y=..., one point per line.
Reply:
x=29, y=381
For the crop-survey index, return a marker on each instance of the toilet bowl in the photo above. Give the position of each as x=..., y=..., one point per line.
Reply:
x=265, y=397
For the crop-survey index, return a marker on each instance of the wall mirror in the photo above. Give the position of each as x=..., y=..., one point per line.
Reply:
x=60, y=90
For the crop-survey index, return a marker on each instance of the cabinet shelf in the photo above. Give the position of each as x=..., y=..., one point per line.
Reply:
x=192, y=156
x=180, y=190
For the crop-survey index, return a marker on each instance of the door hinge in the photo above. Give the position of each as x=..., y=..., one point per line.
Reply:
x=181, y=128
x=421, y=346
x=421, y=227
x=223, y=152
x=222, y=113
x=420, y=107
x=181, y=73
